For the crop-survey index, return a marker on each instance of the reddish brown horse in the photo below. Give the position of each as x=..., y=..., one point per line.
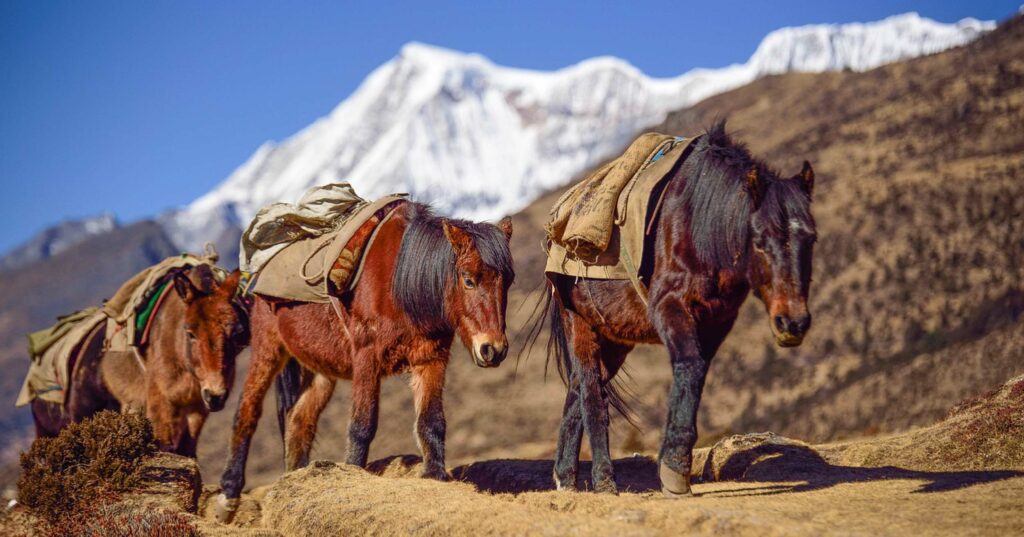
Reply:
x=185, y=371
x=425, y=280
x=728, y=225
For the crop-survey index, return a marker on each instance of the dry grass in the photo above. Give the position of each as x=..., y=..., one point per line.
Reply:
x=86, y=465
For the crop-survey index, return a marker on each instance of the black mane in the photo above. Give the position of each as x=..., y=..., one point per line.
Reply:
x=718, y=201
x=426, y=265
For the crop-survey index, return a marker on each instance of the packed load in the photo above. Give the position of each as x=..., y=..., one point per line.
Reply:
x=599, y=227
x=312, y=250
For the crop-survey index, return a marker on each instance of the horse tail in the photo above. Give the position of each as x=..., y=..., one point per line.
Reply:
x=288, y=388
x=619, y=395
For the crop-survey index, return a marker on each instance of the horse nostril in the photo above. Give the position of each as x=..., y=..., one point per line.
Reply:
x=802, y=324
x=499, y=354
x=487, y=352
x=213, y=401
x=780, y=324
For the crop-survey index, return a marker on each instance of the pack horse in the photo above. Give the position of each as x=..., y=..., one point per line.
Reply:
x=424, y=281
x=727, y=225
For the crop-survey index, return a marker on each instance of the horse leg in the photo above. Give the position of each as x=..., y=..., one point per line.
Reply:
x=167, y=424
x=365, y=409
x=48, y=417
x=267, y=361
x=570, y=436
x=302, y=421
x=428, y=394
x=689, y=368
x=585, y=347
x=190, y=435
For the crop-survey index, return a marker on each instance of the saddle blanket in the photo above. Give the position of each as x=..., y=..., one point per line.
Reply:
x=599, y=228
x=51, y=351
x=314, y=268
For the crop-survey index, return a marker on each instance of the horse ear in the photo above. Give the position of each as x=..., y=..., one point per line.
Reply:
x=505, y=225
x=461, y=241
x=203, y=279
x=806, y=178
x=755, y=186
x=183, y=286
x=230, y=283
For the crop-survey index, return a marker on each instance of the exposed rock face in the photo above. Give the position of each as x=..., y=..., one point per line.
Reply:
x=742, y=456
x=169, y=482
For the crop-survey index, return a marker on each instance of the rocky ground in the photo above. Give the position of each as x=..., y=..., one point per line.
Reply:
x=961, y=476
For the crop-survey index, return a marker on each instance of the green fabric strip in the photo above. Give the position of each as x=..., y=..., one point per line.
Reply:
x=143, y=316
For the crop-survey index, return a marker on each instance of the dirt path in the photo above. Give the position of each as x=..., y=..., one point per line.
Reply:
x=786, y=498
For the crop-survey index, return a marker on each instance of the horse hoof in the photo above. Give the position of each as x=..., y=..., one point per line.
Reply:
x=673, y=483
x=568, y=483
x=439, y=474
x=224, y=508
x=606, y=487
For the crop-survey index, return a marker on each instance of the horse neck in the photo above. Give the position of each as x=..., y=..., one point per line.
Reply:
x=415, y=263
x=674, y=224
x=167, y=331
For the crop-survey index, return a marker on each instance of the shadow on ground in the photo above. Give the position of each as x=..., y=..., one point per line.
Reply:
x=790, y=469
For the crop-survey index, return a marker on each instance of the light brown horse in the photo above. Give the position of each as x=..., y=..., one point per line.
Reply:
x=425, y=280
x=185, y=371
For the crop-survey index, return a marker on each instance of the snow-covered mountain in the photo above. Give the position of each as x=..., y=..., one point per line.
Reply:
x=55, y=239
x=480, y=140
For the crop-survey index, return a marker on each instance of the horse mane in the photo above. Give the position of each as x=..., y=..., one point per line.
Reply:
x=718, y=200
x=426, y=265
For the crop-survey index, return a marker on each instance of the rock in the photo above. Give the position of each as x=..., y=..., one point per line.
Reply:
x=169, y=481
x=760, y=457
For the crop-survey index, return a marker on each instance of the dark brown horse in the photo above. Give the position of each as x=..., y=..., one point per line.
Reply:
x=728, y=225
x=183, y=373
x=426, y=279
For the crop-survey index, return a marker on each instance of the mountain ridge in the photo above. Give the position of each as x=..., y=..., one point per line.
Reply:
x=479, y=140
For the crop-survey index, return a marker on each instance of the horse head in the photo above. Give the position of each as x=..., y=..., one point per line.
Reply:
x=782, y=236
x=216, y=330
x=476, y=301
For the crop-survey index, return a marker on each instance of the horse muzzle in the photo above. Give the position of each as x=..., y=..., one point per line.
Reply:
x=489, y=354
x=790, y=331
x=214, y=401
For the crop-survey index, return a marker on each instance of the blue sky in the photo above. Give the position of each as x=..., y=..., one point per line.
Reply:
x=137, y=107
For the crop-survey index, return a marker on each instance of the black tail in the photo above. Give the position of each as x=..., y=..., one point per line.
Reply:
x=558, y=348
x=288, y=387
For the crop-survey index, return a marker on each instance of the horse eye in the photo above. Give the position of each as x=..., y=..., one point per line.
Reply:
x=468, y=281
x=190, y=335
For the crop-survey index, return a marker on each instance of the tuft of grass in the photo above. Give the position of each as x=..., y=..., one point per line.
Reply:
x=114, y=520
x=993, y=433
x=86, y=465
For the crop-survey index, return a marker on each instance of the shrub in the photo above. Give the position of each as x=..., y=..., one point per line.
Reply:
x=86, y=464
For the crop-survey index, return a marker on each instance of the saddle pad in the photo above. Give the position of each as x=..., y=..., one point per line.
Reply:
x=622, y=259
x=49, y=373
x=312, y=270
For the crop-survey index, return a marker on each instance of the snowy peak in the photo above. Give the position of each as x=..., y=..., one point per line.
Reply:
x=55, y=239
x=857, y=46
x=479, y=140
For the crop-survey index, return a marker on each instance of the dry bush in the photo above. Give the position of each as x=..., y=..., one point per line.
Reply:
x=991, y=434
x=87, y=464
